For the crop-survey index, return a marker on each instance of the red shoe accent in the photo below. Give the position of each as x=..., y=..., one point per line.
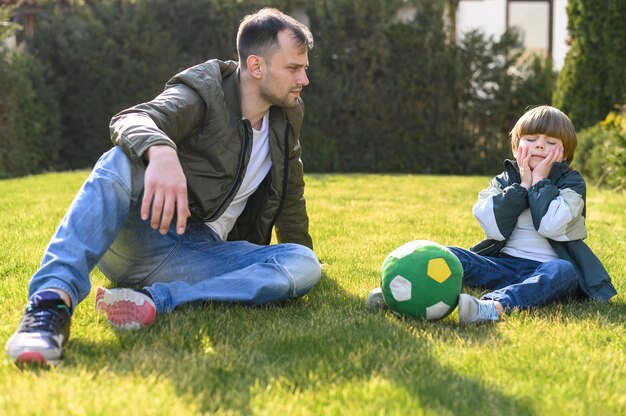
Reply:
x=31, y=357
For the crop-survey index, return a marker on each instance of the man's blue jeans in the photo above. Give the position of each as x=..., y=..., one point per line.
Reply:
x=103, y=227
x=517, y=282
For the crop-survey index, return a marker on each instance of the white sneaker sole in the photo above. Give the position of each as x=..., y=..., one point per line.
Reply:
x=125, y=309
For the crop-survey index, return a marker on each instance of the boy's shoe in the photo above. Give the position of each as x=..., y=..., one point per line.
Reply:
x=375, y=301
x=43, y=330
x=125, y=308
x=475, y=311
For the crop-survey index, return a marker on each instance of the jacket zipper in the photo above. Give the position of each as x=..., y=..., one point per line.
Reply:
x=285, y=181
x=238, y=178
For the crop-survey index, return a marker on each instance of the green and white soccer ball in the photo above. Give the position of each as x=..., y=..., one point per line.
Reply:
x=421, y=279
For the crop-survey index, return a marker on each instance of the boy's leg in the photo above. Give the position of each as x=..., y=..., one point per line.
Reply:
x=478, y=271
x=485, y=272
x=488, y=272
x=88, y=228
x=550, y=281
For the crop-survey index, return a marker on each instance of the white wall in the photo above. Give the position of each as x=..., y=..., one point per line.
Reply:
x=490, y=17
x=559, y=35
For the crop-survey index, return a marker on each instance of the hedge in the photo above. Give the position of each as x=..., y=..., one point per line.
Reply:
x=601, y=152
x=386, y=94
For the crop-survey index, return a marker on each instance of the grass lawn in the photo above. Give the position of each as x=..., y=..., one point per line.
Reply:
x=324, y=354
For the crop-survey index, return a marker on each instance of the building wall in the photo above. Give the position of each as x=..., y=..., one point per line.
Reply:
x=489, y=16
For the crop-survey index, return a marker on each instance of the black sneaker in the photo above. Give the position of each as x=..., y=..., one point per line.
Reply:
x=44, y=328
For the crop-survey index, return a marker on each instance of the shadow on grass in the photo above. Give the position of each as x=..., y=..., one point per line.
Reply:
x=224, y=356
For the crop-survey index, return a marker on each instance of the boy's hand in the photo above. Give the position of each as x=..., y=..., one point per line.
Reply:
x=542, y=170
x=523, y=163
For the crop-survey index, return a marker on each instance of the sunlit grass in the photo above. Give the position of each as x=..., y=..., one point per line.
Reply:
x=324, y=354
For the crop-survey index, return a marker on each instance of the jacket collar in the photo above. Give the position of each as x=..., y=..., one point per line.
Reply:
x=559, y=169
x=230, y=85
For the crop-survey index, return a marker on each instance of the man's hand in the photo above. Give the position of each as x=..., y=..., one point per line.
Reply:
x=542, y=170
x=165, y=188
x=523, y=163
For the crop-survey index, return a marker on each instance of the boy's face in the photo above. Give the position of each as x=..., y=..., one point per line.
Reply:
x=538, y=146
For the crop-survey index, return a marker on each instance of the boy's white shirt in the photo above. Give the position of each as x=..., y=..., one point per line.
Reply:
x=257, y=169
x=525, y=242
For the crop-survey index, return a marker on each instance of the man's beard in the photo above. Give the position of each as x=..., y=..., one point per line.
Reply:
x=284, y=101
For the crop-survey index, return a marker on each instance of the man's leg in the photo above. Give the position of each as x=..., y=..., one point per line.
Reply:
x=90, y=225
x=256, y=276
x=88, y=228
x=203, y=268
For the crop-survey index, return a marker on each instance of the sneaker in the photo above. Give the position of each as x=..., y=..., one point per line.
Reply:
x=126, y=308
x=475, y=311
x=375, y=301
x=44, y=328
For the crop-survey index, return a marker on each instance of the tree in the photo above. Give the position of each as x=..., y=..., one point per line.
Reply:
x=29, y=121
x=593, y=78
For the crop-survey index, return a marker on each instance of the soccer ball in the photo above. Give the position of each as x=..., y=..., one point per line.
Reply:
x=421, y=279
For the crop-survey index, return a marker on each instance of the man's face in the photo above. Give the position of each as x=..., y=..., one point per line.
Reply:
x=538, y=146
x=286, y=73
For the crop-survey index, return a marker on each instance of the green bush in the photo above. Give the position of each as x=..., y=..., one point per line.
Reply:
x=103, y=58
x=601, y=152
x=28, y=111
x=496, y=88
x=593, y=78
x=387, y=94
x=380, y=97
x=29, y=120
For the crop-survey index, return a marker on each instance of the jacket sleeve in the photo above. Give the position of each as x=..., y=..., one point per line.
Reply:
x=292, y=224
x=499, y=206
x=557, y=209
x=166, y=120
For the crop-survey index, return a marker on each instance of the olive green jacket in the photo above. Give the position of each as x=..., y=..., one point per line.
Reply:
x=199, y=115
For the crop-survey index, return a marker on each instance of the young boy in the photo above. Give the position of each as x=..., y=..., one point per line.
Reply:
x=533, y=215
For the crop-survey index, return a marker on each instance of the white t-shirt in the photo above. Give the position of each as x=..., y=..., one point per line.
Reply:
x=257, y=169
x=527, y=243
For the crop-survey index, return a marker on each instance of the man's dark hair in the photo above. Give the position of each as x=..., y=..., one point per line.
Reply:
x=258, y=33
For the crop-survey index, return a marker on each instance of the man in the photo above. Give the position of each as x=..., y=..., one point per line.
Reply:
x=183, y=207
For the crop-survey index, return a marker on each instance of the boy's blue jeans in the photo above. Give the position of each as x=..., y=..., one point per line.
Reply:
x=516, y=282
x=103, y=227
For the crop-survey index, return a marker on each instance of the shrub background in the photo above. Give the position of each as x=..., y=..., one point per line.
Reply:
x=29, y=119
x=601, y=155
x=593, y=78
x=385, y=96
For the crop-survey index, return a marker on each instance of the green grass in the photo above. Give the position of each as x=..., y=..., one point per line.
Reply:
x=324, y=354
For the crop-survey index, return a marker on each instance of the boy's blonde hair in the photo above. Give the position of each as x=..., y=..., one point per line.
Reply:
x=549, y=121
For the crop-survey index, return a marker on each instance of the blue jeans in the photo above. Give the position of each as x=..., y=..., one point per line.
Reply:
x=103, y=227
x=516, y=282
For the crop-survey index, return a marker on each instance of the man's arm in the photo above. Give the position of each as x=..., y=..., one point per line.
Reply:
x=147, y=133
